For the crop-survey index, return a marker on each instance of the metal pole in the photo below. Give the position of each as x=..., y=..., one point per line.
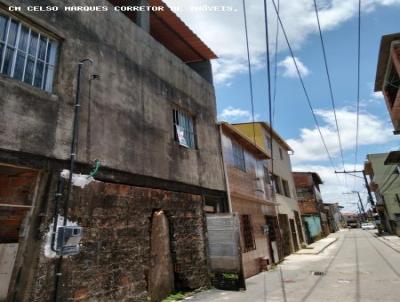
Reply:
x=75, y=132
x=368, y=189
x=359, y=198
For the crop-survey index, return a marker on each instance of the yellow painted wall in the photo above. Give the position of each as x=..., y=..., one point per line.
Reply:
x=247, y=129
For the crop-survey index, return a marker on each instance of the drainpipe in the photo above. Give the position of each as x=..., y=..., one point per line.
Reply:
x=228, y=190
x=75, y=133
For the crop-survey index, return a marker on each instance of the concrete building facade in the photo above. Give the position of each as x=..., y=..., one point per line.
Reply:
x=385, y=183
x=388, y=76
x=250, y=196
x=283, y=183
x=147, y=113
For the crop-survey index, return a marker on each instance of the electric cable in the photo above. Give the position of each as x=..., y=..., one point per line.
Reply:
x=269, y=104
x=275, y=65
x=333, y=103
x=303, y=86
x=358, y=82
x=329, y=82
x=249, y=69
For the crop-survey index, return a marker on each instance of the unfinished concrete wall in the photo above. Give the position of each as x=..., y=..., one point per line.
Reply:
x=115, y=259
x=129, y=125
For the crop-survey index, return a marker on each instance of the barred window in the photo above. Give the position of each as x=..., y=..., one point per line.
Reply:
x=26, y=54
x=184, y=129
x=247, y=233
x=238, y=156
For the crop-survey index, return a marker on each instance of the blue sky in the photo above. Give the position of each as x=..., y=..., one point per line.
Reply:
x=224, y=33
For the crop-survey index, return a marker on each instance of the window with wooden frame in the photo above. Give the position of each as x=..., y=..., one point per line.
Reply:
x=26, y=54
x=184, y=130
x=285, y=186
x=249, y=243
x=280, y=154
x=238, y=156
x=276, y=182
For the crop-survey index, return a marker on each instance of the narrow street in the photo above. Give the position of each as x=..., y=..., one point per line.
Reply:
x=357, y=267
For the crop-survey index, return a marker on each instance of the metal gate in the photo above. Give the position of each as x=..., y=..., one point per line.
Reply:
x=224, y=244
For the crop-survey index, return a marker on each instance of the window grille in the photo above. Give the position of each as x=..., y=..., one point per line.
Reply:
x=26, y=55
x=184, y=129
x=247, y=233
x=238, y=156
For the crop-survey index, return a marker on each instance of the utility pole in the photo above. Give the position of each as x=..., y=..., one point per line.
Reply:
x=359, y=198
x=365, y=179
x=359, y=204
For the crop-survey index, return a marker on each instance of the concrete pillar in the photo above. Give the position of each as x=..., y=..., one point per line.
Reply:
x=143, y=18
x=204, y=69
x=161, y=274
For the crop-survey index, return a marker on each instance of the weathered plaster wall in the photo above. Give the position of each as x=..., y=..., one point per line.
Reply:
x=114, y=261
x=129, y=126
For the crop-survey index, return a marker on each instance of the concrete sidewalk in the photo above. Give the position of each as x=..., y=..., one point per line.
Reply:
x=318, y=246
x=391, y=241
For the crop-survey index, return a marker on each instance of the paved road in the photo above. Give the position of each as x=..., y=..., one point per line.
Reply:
x=357, y=267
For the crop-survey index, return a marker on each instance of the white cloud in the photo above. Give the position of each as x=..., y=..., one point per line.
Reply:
x=372, y=130
x=235, y=115
x=377, y=95
x=288, y=67
x=224, y=31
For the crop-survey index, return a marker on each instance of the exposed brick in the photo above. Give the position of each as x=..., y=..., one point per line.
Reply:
x=114, y=261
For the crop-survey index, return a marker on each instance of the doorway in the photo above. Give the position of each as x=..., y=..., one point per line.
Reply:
x=161, y=281
x=284, y=224
x=294, y=235
x=16, y=198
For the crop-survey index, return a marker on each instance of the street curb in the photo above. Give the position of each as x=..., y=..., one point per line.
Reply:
x=321, y=250
x=387, y=244
x=336, y=239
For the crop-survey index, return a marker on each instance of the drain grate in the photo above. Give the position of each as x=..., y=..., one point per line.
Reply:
x=318, y=273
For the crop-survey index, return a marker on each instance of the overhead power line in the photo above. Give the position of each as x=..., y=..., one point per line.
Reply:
x=249, y=69
x=329, y=81
x=275, y=65
x=303, y=85
x=358, y=82
x=271, y=122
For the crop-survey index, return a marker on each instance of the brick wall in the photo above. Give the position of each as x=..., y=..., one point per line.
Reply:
x=257, y=212
x=16, y=189
x=308, y=206
x=114, y=261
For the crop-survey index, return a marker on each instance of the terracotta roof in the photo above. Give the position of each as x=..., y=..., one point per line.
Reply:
x=244, y=141
x=174, y=34
x=383, y=58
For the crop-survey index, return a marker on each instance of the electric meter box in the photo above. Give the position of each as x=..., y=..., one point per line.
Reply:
x=68, y=238
x=265, y=229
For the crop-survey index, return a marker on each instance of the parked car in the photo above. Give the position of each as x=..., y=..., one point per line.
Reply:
x=368, y=226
